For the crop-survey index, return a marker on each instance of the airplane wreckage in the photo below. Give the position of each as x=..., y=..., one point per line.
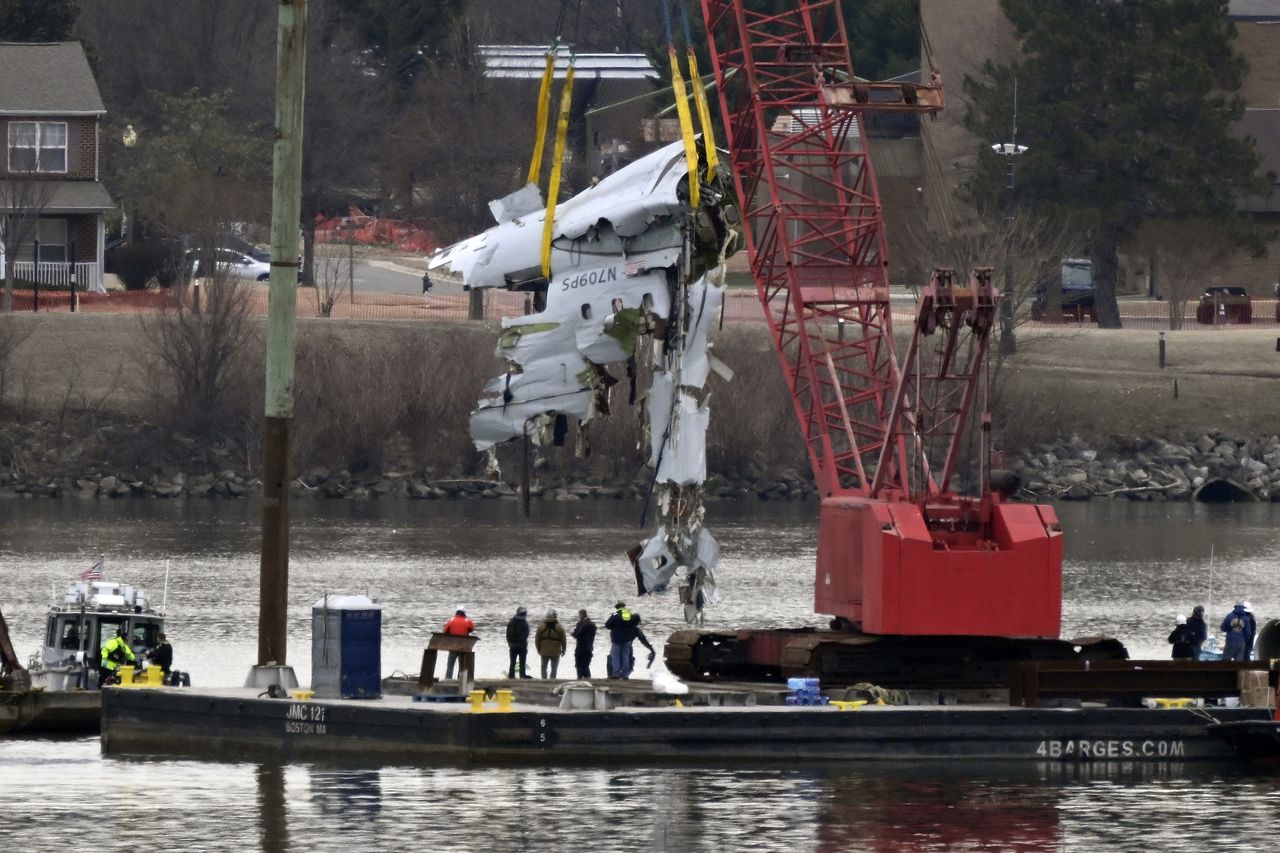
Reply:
x=632, y=259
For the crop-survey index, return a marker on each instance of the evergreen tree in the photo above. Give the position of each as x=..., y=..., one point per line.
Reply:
x=403, y=36
x=37, y=20
x=884, y=37
x=1126, y=109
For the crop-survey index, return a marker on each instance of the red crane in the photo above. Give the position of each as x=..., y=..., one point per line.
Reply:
x=901, y=552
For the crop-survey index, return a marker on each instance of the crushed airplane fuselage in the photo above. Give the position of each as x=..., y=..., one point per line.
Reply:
x=630, y=261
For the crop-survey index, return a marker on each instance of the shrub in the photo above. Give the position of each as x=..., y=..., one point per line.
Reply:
x=138, y=263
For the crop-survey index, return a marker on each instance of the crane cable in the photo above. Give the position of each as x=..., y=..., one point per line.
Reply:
x=682, y=109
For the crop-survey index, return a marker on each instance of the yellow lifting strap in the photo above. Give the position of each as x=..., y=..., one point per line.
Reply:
x=704, y=117
x=557, y=158
x=544, y=107
x=686, y=127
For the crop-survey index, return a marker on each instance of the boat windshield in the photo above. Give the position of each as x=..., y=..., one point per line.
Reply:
x=143, y=635
x=70, y=635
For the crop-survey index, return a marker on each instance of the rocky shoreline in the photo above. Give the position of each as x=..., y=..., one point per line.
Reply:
x=1151, y=469
x=322, y=484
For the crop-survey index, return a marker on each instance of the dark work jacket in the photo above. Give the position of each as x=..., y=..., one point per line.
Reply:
x=162, y=656
x=623, y=630
x=1182, y=639
x=585, y=635
x=1199, y=631
x=518, y=632
x=1234, y=626
x=1250, y=632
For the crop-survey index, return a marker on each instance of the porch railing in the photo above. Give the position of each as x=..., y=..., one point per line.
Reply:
x=88, y=276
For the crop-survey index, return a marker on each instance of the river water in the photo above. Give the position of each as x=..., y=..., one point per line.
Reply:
x=1129, y=568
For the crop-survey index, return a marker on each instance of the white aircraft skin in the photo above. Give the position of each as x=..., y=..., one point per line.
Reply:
x=629, y=259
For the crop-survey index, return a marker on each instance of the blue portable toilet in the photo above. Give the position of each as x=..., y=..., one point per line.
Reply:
x=346, y=647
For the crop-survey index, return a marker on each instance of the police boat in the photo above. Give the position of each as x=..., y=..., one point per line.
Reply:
x=87, y=616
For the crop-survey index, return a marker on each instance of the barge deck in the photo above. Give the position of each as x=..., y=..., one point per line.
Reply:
x=236, y=724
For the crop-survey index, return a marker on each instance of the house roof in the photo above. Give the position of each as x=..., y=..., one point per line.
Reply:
x=47, y=79
x=528, y=62
x=1254, y=10
x=71, y=197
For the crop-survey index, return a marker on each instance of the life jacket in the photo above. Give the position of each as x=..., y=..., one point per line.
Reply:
x=116, y=652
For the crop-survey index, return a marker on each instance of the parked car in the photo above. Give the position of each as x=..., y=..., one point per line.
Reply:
x=1222, y=305
x=237, y=264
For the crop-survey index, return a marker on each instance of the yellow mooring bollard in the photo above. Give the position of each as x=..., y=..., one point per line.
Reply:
x=126, y=676
x=476, y=698
x=505, y=698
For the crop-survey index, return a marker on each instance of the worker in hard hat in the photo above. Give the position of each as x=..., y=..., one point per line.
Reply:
x=1233, y=625
x=115, y=654
x=1182, y=639
x=1250, y=629
x=460, y=626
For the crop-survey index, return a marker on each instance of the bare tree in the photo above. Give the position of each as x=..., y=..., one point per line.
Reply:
x=11, y=337
x=23, y=197
x=346, y=117
x=468, y=136
x=334, y=266
x=203, y=173
x=1187, y=253
x=1032, y=243
x=194, y=359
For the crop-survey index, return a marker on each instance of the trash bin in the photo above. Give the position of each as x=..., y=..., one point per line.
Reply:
x=346, y=647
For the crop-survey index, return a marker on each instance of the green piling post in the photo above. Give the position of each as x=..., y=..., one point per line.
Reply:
x=286, y=191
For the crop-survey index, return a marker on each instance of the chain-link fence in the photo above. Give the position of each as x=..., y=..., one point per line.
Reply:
x=740, y=306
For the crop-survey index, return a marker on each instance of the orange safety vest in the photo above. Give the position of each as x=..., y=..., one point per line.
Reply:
x=459, y=625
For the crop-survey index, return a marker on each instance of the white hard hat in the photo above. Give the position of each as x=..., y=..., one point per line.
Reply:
x=1182, y=620
x=459, y=609
x=1248, y=608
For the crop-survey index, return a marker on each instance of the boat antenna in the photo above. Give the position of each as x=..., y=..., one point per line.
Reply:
x=164, y=602
x=1209, y=604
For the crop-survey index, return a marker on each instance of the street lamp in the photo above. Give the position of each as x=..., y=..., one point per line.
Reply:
x=129, y=139
x=1010, y=152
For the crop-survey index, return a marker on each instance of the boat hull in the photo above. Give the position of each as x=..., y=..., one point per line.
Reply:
x=41, y=712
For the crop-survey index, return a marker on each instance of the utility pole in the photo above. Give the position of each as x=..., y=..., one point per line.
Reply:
x=1010, y=151
x=286, y=202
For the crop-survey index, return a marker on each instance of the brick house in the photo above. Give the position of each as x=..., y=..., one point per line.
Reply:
x=51, y=120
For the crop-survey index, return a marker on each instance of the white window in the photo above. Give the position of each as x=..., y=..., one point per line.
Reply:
x=52, y=234
x=38, y=146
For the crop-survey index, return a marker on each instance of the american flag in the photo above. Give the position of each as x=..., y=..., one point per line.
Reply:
x=634, y=268
x=92, y=573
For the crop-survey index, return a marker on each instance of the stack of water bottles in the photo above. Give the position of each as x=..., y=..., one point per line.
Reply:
x=804, y=691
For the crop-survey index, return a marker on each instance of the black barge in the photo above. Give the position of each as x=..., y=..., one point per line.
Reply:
x=234, y=724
